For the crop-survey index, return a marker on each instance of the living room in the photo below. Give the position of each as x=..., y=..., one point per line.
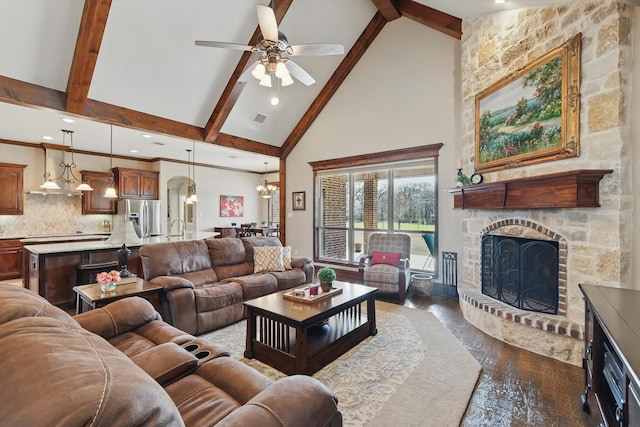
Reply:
x=375, y=112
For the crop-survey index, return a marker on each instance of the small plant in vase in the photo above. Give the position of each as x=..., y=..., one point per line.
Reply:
x=108, y=280
x=326, y=276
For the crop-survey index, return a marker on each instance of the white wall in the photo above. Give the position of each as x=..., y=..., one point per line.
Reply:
x=404, y=92
x=635, y=136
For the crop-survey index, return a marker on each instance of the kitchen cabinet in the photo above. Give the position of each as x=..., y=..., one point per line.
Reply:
x=94, y=202
x=11, y=189
x=137, y=183
x=11, y=256
x=611, y=358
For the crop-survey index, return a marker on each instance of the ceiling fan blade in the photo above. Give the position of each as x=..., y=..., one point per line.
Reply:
x=300, y=74
x=267, y=23
x=223, y=45
x=318, y=49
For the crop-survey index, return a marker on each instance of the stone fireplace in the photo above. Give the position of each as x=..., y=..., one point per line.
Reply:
x=594, y=243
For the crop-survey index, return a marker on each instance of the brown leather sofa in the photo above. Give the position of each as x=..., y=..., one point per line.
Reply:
x=206, y=281
x=121, y=365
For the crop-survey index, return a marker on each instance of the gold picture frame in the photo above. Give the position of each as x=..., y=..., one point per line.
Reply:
x=533, y=114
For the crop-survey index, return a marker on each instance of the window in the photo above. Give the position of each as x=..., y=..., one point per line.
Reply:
x=353, y=202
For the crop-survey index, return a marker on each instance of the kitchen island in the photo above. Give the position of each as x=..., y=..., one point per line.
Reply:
x=53, y=268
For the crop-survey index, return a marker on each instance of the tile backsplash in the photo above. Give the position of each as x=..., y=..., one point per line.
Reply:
x=51, y=215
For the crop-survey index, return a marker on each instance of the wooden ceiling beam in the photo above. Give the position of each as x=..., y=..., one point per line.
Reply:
x=85, y=56
x=388, y=9
x=443, y=22
x=26, y=94
x=234, y=88
x=359, y=48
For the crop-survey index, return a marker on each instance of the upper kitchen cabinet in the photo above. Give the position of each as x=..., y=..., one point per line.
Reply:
x=94, y=202
x=11, y=189
x=136, y=183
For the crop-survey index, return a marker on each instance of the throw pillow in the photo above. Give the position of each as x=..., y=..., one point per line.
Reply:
x=391, y=258
x=286, y=257
x=267, y=258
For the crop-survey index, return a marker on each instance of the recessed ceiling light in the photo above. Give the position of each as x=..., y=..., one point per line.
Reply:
x=67, y=120
x=47, y=137
x=146, y=135
x=500, y=1
x=133, y=150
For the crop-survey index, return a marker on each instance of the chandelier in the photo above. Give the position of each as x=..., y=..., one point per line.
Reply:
x=67, y=176
x=264, y=188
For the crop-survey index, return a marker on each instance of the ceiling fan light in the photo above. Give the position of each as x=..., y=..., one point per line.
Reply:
x=259, y=71
x=287, y=80
x=266, y=80
x=274, y=100
x=281, y=70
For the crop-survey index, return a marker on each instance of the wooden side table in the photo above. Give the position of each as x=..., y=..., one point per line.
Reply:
x=89, y=297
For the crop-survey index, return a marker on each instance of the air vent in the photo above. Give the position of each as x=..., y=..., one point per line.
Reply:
x=260, y=118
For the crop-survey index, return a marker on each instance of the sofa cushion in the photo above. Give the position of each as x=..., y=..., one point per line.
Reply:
x=166, y=362
x=251, y=242
x=228, y=257
x=289, y=279
x=256, y=285
x=19, y=302
x=80, y=380
x=174, y=258
x=267, y=258
x=216, y=296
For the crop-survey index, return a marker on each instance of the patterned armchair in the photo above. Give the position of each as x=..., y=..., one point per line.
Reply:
x=385, y=264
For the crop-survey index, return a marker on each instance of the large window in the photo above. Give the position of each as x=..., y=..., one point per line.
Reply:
x=354, y=202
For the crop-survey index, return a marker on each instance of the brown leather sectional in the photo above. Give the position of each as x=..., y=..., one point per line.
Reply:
x=121, y=365
x=206, y=281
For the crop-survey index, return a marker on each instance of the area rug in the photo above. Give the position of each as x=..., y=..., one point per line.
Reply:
x=412, y=373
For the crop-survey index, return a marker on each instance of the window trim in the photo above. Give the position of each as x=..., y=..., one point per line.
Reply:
x=372, y=159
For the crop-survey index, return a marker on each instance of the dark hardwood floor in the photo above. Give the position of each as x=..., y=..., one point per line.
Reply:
x=516, y=387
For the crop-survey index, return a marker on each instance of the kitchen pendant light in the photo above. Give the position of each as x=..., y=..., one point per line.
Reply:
x=111, y=193
x=67, y=176
x=189, y=199
x=194, y=197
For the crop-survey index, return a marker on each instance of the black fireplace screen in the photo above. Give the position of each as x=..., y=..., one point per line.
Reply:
x=521, y=272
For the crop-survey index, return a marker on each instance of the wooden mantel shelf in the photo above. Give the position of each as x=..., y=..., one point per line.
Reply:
x=572, y=189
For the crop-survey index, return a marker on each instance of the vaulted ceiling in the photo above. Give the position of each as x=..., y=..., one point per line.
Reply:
x=133, y=64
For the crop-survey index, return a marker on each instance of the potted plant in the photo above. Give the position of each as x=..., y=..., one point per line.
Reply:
x=326, y=276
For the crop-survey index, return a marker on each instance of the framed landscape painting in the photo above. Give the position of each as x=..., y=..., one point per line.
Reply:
x=532, y=115
x=231, y=206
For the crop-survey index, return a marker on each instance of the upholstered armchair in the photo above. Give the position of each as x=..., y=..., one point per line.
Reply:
x=385, y=264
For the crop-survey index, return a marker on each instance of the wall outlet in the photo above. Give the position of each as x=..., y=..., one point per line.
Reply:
x=290, y=215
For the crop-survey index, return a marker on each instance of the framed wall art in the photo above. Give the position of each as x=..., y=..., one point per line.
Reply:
x=531, y=115
x=298, y=200
x=231, y=206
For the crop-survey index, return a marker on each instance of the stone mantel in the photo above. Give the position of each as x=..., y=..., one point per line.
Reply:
x=570, y=189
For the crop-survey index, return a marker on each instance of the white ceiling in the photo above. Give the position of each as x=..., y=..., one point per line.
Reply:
x=148, y=63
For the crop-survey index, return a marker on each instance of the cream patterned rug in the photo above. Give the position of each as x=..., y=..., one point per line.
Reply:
x=412, y=373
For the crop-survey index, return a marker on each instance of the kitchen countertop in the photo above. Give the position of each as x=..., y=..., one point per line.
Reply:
x=49, y=248
x=74, y=237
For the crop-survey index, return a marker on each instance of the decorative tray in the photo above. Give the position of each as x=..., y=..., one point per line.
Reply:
x=296, y=294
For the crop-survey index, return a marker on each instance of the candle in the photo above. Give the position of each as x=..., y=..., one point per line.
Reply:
x=459, y=164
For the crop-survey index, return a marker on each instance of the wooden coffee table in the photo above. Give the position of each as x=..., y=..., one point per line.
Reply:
x=89, y=297
x=301, y=338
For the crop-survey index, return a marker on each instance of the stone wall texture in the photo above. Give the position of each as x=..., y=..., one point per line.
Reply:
x=494, y=46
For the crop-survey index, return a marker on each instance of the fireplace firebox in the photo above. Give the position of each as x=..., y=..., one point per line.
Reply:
x=521, y=272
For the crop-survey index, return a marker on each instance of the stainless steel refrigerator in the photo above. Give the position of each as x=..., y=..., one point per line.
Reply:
x=145, y=215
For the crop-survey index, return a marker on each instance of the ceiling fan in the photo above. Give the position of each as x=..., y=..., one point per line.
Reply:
x=274, y=50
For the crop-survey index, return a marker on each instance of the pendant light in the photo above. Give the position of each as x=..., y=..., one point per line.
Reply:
x=189, y=200
x=67, y=176
x=194, y=197
x=264, y=188
x=111, y=193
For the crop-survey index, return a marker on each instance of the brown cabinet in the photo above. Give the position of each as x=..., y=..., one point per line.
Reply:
x=94, y=202
x=611, y=358
x=11, y=256
x=11, y=189
x=136, y=183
